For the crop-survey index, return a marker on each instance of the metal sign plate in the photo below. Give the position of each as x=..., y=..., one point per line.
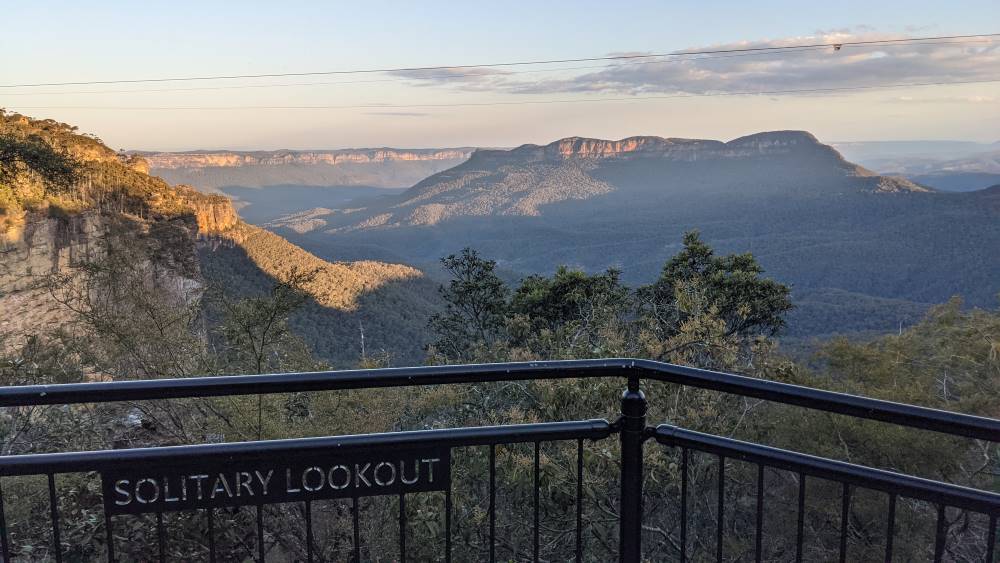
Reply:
x=254, y=480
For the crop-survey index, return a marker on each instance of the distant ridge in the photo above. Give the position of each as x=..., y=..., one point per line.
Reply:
x=652, y=146
x=523, y=180
x=228, y=158
x=209, y=170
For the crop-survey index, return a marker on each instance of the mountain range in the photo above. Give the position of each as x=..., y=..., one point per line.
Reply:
x=265, y=185
x=945, y=165
x=834, y=230
x=380, y=167
x=863, y=252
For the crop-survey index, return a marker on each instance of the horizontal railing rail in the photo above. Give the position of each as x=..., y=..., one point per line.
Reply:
x=876, y=479
x=97, y=460
x=841, y=403
x=849, y=475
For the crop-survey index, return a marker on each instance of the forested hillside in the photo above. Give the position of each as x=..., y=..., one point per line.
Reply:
x=381, y=307
x=68, y=203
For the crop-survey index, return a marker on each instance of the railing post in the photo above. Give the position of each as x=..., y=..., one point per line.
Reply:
x=633, y=426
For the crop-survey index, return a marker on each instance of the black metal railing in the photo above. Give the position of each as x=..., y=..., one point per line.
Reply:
x=160, y=479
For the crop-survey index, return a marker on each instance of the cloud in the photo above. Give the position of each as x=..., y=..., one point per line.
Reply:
x=721, y=73
x=399, y=113
x=473, y=78
x=943, y=100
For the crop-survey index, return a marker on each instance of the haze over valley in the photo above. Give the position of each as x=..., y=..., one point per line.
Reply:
x=863, y=252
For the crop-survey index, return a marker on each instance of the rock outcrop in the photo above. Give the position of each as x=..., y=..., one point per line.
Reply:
x=46, y=231
x=214, y=214
x=48, y=245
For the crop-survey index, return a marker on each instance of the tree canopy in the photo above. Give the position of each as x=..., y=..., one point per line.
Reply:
x=701, y=304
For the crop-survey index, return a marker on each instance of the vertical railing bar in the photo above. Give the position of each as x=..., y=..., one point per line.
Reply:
x=579, y=500
x=402, y=527
x=684, y=503
x=357, y=530
x=845, y=513
x=939, y=536
x=447, y=524
x=161, y=537
x=109, y=532
x=54, y=510
x=800, y=528
x=260, y=532
x=211, y=535
x=309, y=531
x=535, y=536
x=493, y=502
x=719, y=526
x=631, y=437
x=4, y=541
x=759, y=532
x=991, y=539
x=891, y=527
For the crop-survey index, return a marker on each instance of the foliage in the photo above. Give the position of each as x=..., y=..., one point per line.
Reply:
x=47, y=166
x=702, y=304
x=352, y=309
x=717, y=312
x=475, y=305
x=31, y=155
x=256, y=329
x=730, y=285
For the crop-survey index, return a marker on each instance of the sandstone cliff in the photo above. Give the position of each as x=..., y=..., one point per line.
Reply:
x=206, y=159
x=379, y=168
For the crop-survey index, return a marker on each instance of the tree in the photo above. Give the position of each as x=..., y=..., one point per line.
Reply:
x=475, y=308
x=571, y=314
x=30, y=154
x=255, y=329
x=697, y=283
x=257, y=337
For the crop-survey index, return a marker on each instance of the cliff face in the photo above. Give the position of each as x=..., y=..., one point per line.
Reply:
x=46, y=231
x=57, y=246
x=44, y=245
x=769, y=143
x=378, y=168
x=206, y=159
x=213, y=214
x=48, y=245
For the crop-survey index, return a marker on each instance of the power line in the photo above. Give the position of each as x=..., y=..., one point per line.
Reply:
x=524, y=102
x=401, y=78
x=453, y=76
x=912, y=40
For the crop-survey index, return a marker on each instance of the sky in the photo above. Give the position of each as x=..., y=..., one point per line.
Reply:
x=720, y=96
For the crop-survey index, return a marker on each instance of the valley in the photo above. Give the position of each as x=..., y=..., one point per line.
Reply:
x=824, y=225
